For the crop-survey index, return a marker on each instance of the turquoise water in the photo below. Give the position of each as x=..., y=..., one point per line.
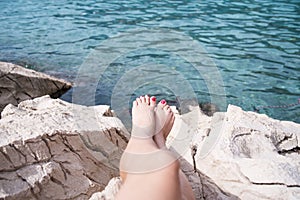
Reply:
x=254, y=44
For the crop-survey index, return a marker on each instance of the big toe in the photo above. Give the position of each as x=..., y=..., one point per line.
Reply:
x=162, y=104
x=153, y=101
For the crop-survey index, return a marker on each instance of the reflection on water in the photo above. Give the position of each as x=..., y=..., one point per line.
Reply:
x=255, y=44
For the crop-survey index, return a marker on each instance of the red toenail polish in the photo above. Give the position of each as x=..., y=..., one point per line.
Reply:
x=153, y=99
x=163, y=101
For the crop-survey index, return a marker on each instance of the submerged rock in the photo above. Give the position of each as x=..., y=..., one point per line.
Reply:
x=51, y=149
x=18, y=84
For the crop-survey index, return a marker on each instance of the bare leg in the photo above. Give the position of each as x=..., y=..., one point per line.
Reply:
x=143, y=128
x=164, y=123
x=152, y=173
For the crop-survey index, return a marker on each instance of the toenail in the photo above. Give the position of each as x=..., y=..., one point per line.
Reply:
x=153, y=99
x=163, y=101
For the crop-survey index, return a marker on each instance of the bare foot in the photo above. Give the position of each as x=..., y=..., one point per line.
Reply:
x=143, y=129
x=164, y=122
x=143, y=119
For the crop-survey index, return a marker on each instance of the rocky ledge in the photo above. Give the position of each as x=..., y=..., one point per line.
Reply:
x=18, y=84
x=246, y=154
x=51, y=149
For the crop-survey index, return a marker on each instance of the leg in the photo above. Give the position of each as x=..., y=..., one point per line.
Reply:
x=143, y=127
x=164, y=123
x=163, y=184
x=152, y=173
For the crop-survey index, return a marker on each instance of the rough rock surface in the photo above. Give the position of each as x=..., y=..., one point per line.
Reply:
x=18, y=84
x=247, y=155
x=51, y=149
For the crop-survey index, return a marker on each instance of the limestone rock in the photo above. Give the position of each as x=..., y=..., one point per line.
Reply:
x=188, y=132
x=110, y=191
x=18, y=84
x=245, y=154
x=51, y=149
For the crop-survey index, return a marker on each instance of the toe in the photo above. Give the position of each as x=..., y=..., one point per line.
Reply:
x=134, y=103
x=173, y=119
x=138, y=100
x=167, y=108
x=143, y=99
x=147, y=98
x=162, y=104
x=153, y=101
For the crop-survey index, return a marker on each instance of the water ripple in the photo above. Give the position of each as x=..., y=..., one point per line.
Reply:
x=255, y=43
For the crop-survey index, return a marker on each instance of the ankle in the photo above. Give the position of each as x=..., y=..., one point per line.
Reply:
x=139, y=141
x=141, y=145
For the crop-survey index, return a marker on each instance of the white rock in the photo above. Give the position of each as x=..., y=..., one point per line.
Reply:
x=110, y=191
x=248, y=155
x=51, y=149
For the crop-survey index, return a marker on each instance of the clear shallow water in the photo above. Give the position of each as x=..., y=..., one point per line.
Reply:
x=255, y=45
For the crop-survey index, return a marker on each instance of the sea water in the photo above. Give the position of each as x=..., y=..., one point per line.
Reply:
x=253, y=48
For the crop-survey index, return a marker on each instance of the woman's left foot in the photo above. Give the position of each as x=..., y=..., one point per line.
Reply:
x=165, y=118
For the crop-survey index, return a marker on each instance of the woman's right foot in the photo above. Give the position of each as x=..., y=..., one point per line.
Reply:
x=145, y=136
x=143, y=129
x=143, y=117
x=164, y=118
